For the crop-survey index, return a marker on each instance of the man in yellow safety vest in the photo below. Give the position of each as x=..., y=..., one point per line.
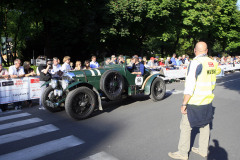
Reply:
x=196, y=109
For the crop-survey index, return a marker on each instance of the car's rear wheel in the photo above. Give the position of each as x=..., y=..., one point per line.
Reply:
x=48, y=95
x=158, y=89
x=80, y=103
x=112, y=84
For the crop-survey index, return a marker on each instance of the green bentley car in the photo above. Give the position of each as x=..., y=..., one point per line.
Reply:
x=81, y=92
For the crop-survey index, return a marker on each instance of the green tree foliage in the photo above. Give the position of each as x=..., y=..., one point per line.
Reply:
x=104, y=27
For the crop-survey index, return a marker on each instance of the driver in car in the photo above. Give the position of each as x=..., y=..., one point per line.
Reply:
x=137, y=67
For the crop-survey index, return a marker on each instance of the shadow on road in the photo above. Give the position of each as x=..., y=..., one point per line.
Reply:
x=112, y=105
x=109, y=106
x=231, y=82
x=216, y=152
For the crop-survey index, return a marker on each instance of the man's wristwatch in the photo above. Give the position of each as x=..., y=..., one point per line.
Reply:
x=184, y=105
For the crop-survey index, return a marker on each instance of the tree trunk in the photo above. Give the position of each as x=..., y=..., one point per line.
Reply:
x=176, y=42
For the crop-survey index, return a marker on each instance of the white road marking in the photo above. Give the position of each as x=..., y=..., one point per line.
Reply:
x=19, y=123
x=93, y=74
x=43, y=149
x=99, y=73
x=14, y=116
x=174, y=91
x=228, y=81
x=27, y=133
x=9, y=112
x=100, y=156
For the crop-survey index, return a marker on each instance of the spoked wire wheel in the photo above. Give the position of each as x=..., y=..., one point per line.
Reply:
x=158, y=89
x=80, y=103
x=112, y=84
x=48, y=95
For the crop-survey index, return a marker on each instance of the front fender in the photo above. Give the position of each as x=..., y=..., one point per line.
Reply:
x=46, y=83
x=73, y=84
x=91, y=87
x=148, y=83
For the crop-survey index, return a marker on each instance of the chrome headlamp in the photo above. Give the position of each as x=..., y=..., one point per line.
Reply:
x=53, y=83
x=65, y=84
x=58, y=92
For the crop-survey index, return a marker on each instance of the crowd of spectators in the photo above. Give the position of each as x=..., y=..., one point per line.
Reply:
x=170, y=62
x=136, y=65
x=226, y=60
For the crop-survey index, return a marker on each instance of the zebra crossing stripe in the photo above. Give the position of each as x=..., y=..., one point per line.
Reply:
x=174, y=91
x=9, y=112
x=14, y=116
x=100, y=156
x=43, y=149
x=19, y=123
x=27, y=133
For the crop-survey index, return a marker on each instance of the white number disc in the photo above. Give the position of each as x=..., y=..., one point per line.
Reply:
x=139, y=80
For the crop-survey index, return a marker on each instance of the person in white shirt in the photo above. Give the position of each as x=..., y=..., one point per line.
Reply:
x=113, y=59
x=94, y=63
x=66, y=66
x=16, y=71
x=151, y=64
x=3, y=74
x=55, y=68
x=187, y=61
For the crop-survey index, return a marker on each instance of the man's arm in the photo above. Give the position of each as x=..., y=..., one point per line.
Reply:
x=44, y=70
x=186, y=98
x=190, y=84
x=136, y=73
x=21, y=75
x=14, y=76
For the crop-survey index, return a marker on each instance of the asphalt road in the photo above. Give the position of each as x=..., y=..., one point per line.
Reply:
x=132, y=129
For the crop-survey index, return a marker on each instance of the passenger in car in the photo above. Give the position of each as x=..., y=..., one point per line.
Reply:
x=137, y=67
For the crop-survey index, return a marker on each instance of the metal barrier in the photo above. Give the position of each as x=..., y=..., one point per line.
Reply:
x=19, y=89
x=181, y=72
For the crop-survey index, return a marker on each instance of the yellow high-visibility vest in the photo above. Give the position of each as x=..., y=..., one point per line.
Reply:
x=205, y=83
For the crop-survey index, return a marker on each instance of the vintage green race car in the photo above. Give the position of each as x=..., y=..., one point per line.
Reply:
x=80, y=92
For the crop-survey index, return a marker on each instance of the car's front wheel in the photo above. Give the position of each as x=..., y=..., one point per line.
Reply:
x=158, y=89
x=48, y=98
x=80, y=103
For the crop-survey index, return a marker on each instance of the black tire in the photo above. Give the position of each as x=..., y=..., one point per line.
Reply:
x=80, y=103
x=48, y=95
x=112, y=84
x=158, y=89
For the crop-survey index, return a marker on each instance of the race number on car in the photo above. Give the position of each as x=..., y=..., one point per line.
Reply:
x=139, y=80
